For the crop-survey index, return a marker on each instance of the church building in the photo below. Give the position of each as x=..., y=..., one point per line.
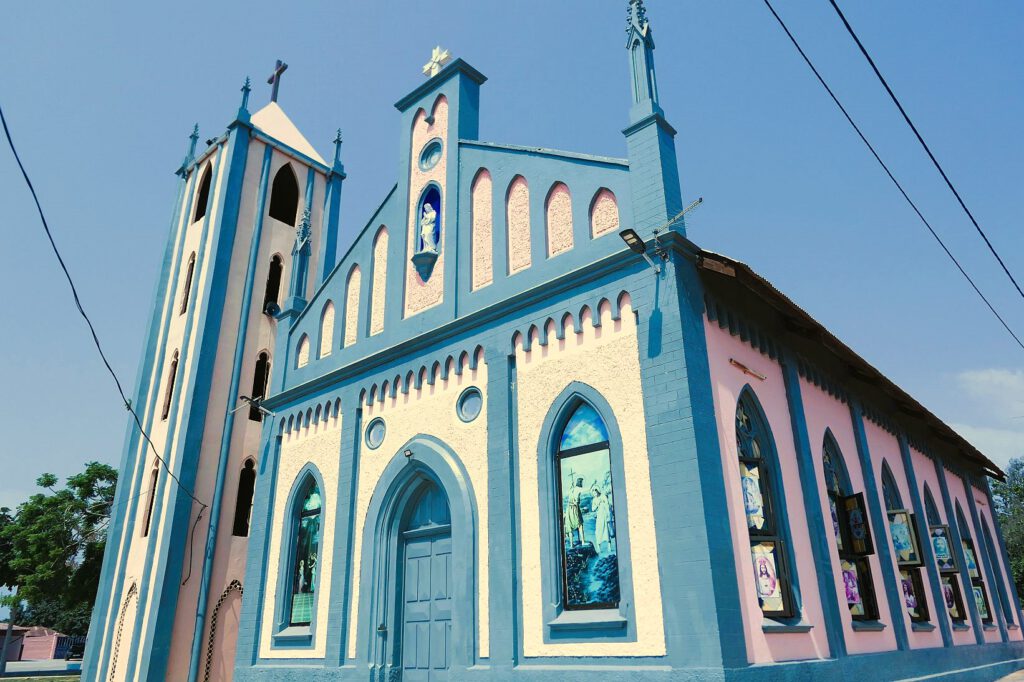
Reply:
x=520, y=428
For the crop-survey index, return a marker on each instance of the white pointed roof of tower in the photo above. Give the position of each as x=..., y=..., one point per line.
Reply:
x=272, y=120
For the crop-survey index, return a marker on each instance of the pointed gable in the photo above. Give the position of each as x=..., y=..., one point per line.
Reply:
x=272, y=120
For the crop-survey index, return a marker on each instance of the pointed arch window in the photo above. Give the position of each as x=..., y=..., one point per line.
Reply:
x=327, y=329
x=304, y=569
x=203, y=195
x=903, y=529
x=273, y=290
x=853, y=534
x=977, y=589
x=187, y=290
x=243, y=502
x=260, y=379
x=993, y=561
x=590, y=565
x=284, y=196
x=768, y=551
x=150, y=500
x=172, y=374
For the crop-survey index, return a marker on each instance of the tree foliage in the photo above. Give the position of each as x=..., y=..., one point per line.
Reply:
x=51, y=548
x=1008, y=497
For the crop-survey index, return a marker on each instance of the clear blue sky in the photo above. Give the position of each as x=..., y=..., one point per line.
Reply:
x=102, y=96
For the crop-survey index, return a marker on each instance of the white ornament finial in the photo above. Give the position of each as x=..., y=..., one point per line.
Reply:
x=438, y=58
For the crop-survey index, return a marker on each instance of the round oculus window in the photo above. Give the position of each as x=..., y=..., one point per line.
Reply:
x=375, y=433
x=431, y=154
x=470, y=404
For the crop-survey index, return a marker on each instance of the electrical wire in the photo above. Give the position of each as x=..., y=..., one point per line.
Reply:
x=888, y=172
x=85, y=316
x=927, y=149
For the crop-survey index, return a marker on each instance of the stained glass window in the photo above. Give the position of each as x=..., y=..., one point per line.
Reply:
x=853, y=534
x=307, y=550
x=767, y=548
x=590, y=565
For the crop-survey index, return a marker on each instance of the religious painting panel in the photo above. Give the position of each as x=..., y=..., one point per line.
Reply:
x=981, y=601
x=858, y=527
x=768, y=578
x=943, y=548
x=904, y=538
x=970, y=559
x=304, y=566
x=912, y=589
x=954, y=601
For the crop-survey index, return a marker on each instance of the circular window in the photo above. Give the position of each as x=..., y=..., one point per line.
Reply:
x=375, y=433
x=471, y=402
x=431, y=154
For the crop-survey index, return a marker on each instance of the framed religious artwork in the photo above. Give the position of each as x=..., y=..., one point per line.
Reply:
x=851, y=583
x=954, y=601
x=857, y=525
x=981, y=601
x=970, y=559
x=913, y=593
x=904, y=538
x=768, y=579
x=942, y=546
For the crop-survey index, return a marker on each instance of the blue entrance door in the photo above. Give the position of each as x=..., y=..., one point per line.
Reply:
x=428, y=591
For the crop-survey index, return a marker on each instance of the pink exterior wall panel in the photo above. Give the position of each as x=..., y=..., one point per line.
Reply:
x=727, y=382
x=822, y=412
x=992, y=633
x=884, y=447
x=957, y=494
x=986, y=513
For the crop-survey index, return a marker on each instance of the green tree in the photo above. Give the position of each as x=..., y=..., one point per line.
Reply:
x=1008, y=497
x=51, y=548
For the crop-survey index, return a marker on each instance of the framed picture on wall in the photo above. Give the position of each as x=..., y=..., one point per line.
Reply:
x=954, y=601
x=858, y=527
x=912, y=591
x=970, y=559
x=981, y=600
x=942, y=546
x=904, y=538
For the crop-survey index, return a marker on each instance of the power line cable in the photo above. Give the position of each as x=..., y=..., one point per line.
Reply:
x=92, y=329
x=889, y=173
x=927, y=149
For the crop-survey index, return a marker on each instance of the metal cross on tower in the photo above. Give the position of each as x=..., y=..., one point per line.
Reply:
x=438, y=58
x=275, y=79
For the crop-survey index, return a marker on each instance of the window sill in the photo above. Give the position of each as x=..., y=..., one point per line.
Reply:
x=989, y=627
x=867, y=626
x=774, y=626
x=294, y=636
x=1012, y=626
x=596, y=619
x=960, y=627
x=922, y=627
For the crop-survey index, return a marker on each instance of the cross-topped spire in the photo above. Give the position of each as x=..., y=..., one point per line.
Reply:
x=438, y=58
x=275, y=79
x=337, y=147
x=246, y=89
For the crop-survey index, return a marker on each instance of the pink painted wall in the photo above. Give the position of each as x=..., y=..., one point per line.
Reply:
x=986, y=512
x=822, y=412
x=727, y=383
x=956, y=494
x=884, y=447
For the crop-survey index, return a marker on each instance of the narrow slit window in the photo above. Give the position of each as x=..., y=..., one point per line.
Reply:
x=243, y=502
x=172, y=374
x=203, y=195
x=150, y=499
x=187, y=290
x=260, y=378
x=273, y=289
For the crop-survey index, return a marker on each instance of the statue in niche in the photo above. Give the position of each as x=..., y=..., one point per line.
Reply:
x=428, y=222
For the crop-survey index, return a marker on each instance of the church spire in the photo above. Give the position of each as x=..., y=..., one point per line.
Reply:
x=640, y=44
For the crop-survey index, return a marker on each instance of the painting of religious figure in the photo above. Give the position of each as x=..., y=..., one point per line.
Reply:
x=307, y=549
x=904, y=539
x=909, y=585
x=970, y=560
x=951, y=595
x=753, y=500
x=766, y=577
x=857, y=522
x=591, y=561
x=851, y=583
x=835, y=522
x=981, y=600
x=942, y=548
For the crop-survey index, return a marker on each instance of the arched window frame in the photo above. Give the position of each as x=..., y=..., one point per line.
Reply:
x=993, y=561
x=260, y=383
x=299, y=634
x=186, y=290
x=172, y=376
x=325, y=343
x=275, y=273
x=244, y=498
x=284, y=196
x=978, y=592
x=774, y=531
x=849, y=515
x=203, y=193
x=905, y=536
x=564, y=624
x=147, y=521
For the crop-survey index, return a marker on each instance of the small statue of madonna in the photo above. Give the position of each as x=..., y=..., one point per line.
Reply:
x=428, y=221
